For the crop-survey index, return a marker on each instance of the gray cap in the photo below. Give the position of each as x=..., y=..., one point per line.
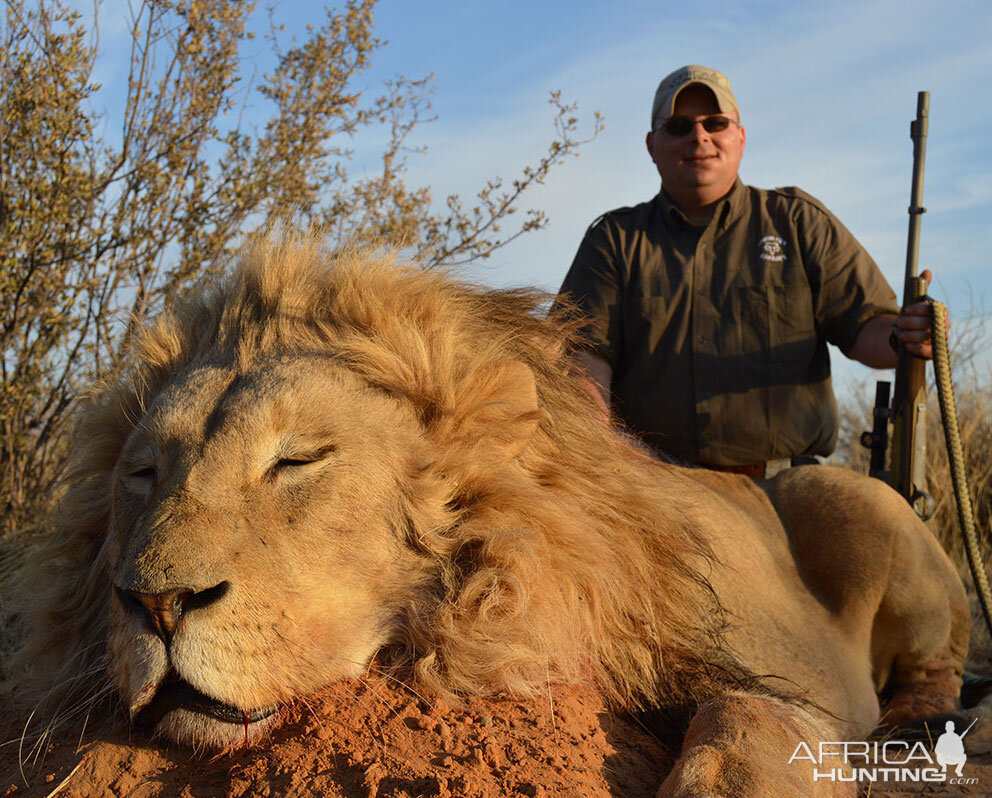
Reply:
x=671, y=85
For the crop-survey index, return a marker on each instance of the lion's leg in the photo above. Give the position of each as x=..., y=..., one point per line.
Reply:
x=921, y=630
x=740, y=744
x=868, y=559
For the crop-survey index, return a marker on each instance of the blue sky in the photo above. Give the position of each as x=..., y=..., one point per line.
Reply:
x=827, y=91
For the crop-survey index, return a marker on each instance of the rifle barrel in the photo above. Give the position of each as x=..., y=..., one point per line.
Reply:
x=918, y=133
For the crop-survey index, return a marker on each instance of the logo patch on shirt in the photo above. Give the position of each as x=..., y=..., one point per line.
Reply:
x=772, y=248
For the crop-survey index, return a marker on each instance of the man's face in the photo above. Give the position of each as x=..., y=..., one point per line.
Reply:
x=699, y=167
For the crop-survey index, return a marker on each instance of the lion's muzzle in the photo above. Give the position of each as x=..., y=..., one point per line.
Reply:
x=163, y=612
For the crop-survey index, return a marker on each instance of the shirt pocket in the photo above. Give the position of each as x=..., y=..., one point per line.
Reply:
x=752, y=313
x=792, y=336
x=776, y=325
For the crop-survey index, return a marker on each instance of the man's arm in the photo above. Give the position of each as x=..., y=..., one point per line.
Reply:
x=872, y=347
x=592, y=288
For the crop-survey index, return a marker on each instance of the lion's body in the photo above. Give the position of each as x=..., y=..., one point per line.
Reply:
x=310, y=466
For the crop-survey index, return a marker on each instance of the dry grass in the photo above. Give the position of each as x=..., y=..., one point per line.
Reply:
x=974, y=404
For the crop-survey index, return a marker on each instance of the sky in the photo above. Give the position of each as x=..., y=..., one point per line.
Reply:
x=827, y=91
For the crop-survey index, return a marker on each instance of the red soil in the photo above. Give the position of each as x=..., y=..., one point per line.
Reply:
x=369, y=739
x=375, y=739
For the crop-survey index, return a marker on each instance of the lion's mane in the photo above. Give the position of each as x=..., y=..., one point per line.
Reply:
x=568, y=562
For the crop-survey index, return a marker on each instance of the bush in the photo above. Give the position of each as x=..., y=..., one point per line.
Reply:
x=100, y=223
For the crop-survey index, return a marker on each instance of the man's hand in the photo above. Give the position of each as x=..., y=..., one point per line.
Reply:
x=913, y=326
x=594, y=374
x=911, y=330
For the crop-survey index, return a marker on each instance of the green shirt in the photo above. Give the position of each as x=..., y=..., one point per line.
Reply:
x=717, y=336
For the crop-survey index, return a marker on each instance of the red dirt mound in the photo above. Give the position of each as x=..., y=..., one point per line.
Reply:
x=367, y=739
x=374, y=739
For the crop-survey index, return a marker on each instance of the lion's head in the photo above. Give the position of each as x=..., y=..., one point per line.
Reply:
x=323, y=460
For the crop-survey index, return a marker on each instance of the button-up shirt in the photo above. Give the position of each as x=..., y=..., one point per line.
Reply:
x=717, y=335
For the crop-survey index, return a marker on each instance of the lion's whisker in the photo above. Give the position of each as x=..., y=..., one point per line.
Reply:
x=82, y=731
x=551, y=702
x=61, y=713
x=405, y=685
x=59, y=717
x=312, y=711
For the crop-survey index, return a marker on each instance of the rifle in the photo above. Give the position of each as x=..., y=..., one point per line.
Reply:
x=908, y=411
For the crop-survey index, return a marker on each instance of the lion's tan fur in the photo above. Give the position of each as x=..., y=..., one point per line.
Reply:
x=548, y=563
x=340, y=457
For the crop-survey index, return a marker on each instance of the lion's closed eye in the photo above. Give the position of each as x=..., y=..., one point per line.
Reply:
x=140, y=480
x=300, y=462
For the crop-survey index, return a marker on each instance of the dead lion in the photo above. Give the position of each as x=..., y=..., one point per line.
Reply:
x=319, y=461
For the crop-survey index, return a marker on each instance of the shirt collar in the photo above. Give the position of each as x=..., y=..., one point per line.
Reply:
x=728, y=208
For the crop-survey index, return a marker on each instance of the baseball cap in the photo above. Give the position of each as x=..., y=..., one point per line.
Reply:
x=671, y=85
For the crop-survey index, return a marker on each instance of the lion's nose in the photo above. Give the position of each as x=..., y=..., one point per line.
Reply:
x=164, y=611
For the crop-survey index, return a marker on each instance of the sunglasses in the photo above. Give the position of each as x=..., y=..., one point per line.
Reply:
x=679, y=126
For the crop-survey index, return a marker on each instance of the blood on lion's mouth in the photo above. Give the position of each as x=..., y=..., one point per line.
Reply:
x=177, y=693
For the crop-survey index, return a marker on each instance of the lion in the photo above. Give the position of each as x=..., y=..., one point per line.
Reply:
x=325, y=459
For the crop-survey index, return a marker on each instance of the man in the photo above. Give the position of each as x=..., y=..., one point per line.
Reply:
x=711, y=305
x=950, y=749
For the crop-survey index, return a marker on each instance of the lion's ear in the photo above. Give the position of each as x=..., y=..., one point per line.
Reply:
x=498, y=407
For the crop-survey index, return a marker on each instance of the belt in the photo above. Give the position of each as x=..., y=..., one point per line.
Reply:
x=753, y=470
x=766, y=469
